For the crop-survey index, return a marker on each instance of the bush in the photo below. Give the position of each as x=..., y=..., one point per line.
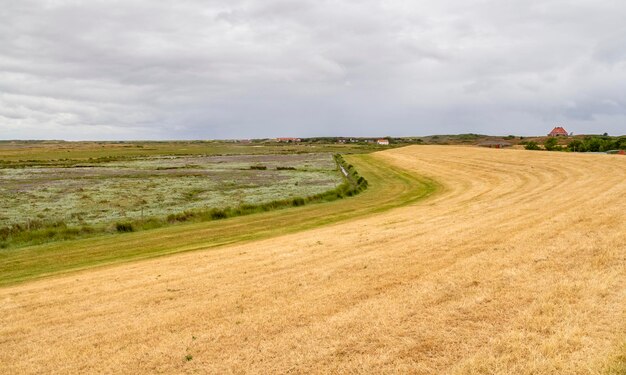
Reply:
x=552, y=144
x=123, y=227
x=181, y=216
x=531, y=146
x=297, y=202
x=575, y=145
x=217, y=214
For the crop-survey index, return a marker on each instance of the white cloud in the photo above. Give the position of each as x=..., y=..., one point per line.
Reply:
x=217, y=69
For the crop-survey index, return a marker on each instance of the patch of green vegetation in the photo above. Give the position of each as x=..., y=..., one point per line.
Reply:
x=353, y=185
x=531, y=146
x=124, y=227
x=552, y=144
x=146, y=191
x=39, y=232
x=580, y=144
x=597, y=144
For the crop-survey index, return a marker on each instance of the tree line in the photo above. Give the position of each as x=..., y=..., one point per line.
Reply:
x=587, y=144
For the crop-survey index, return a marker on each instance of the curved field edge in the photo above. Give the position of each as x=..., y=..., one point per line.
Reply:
x=389, y=187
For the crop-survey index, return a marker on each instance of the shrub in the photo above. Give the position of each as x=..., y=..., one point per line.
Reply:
x=297, y=202
x=575, y=145
x=124, y=227
x=531, y=146
x=217, y=214
x=181, y=216
x=552, y=144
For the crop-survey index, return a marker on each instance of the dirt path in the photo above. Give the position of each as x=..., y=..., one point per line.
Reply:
x=518, y=266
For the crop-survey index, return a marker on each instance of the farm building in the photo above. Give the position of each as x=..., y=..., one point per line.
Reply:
x=383, y=142
x=495, y=144
x=288, y=140
x=558, y=132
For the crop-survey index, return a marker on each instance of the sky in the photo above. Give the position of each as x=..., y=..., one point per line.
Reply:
x=222, y=69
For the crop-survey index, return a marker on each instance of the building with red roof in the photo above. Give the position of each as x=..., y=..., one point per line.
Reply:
x=558, y=132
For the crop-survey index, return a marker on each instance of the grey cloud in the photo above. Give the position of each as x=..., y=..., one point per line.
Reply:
x=221, y=69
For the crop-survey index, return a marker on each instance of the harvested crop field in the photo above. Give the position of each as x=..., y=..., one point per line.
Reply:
x=516, y=265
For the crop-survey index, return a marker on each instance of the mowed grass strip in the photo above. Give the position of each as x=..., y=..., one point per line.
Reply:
x=389, y=187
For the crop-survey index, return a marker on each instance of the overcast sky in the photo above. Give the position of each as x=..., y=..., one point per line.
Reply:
x=139, y=69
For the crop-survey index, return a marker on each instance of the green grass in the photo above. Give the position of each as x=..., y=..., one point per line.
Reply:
x=389, y=187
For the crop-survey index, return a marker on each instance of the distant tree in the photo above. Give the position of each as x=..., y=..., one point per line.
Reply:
x=605, y=134
x=552, y=144
x=594, y=144
x=597, y=144
x=531, y=146
x=576, y=146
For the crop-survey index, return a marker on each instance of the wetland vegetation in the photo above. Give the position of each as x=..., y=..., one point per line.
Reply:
x=107, y=187
x=49, y=203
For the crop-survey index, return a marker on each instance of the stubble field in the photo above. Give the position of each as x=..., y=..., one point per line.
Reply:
x=516, y=265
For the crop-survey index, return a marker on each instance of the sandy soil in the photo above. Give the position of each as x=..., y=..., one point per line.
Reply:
x=517, y=266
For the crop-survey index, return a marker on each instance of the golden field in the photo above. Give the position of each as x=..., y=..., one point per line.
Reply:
x=517, y=265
